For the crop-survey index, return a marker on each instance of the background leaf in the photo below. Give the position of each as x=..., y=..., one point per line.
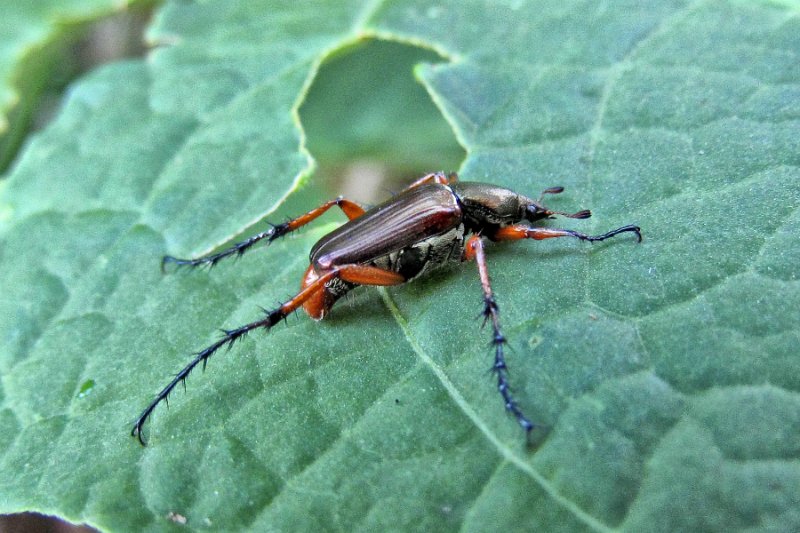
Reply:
x=38, y=42
x=665, y=375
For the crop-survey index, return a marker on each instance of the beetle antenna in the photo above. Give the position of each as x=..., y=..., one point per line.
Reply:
x=584, y=213
x=549, y=190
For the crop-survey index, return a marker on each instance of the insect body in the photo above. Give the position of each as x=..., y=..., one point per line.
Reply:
x=436, y=220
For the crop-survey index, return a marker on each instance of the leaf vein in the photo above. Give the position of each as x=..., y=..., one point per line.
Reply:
x=507, y=453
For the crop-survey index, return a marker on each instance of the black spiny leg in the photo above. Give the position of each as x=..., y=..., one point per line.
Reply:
x=230, y=337
x=351, y=209
x=275, y=232
x=474, y=250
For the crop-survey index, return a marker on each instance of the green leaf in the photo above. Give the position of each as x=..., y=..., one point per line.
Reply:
x=664, y=375
x=36, y=40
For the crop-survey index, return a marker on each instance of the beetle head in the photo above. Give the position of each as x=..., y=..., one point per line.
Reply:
x=536, y=211
x=489, y=204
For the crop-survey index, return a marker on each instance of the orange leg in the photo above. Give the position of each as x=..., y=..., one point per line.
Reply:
x=369, y=275
x=474, y=250
x=512, y=233
x=318, y=305
x=434, y=177
x=350, y=209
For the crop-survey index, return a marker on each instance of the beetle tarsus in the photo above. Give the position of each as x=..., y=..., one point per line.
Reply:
x=500, y=368
x=228, y=339
x=211, y=260
x=597, y=238
x=491, y=313
x=275, y=232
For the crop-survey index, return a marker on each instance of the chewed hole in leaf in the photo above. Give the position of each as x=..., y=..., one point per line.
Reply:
x=368, y=120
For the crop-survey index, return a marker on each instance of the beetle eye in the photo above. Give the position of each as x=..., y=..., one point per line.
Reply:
x=534, y=212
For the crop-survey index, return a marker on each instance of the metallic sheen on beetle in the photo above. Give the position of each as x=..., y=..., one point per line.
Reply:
x=436, y=220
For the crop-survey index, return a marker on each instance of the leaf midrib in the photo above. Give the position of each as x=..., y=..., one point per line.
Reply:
x=505, y=451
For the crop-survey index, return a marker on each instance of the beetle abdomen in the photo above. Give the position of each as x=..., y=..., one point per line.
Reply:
x=426, y=255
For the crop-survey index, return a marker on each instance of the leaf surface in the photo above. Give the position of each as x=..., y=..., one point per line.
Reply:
x=38, y=43
x=664, y=375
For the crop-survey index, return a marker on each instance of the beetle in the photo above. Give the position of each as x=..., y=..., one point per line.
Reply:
x=434, y=221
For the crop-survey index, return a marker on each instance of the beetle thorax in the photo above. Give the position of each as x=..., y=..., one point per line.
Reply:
x=489, y=205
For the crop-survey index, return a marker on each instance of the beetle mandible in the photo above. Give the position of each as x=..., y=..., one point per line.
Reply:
x=435, y=220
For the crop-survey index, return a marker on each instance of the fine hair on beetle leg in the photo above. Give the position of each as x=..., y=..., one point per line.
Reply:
x=350, y=209
x=491, y=313
x=237, y=250
x=230, y=337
